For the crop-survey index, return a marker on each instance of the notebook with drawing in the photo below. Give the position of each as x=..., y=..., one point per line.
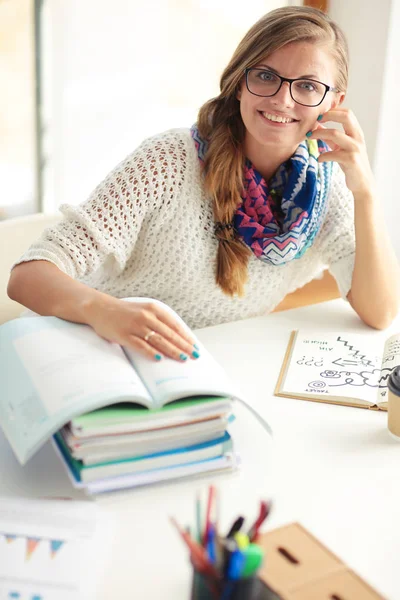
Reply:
x=338, y=368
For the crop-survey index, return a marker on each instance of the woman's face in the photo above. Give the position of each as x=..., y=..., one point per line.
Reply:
x=295, y=60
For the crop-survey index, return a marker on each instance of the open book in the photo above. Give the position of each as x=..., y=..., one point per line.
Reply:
x=346, y=368
x=52, y=371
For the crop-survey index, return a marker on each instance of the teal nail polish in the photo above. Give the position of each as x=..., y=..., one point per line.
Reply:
x=158, y=356
x=183, y=356
x=308, y=133
x=196, y=346
x=195, y=354
x=320, y=118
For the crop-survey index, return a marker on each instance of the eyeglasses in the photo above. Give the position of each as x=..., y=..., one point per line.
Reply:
x=307, y=92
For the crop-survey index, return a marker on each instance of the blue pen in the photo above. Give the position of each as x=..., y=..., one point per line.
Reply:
x=236, y=564
x=233, y=572
x=211, y=541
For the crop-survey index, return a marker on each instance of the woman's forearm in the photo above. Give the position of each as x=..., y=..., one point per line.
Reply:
x=42, y=287
x=375, y=287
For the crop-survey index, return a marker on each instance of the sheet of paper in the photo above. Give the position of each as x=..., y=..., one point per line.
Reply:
x=390, y=360
x=43, y=544
x=329, y=364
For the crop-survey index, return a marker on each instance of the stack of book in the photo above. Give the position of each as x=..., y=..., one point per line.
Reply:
x=126, y=446
x=116, y=418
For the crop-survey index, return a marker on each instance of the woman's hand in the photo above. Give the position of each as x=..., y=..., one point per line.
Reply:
x=144, y=326
x=348, y=149
x=375, y=287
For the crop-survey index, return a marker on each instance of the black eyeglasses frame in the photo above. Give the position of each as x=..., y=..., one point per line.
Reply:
x=328, y=88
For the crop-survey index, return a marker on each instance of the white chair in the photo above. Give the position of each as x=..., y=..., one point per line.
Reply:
x=16, y=235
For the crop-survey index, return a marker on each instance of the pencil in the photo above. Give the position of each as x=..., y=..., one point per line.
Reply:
x=198, y=518
x=198, y=553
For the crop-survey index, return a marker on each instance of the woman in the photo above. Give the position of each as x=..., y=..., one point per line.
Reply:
x=223, y=220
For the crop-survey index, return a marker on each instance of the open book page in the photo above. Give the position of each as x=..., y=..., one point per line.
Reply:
x=52, y=370
x=390, y=360
x=342, y=368
x=169, y=380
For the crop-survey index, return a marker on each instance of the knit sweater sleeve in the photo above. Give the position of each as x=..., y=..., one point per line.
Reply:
x=337, y=237
x=103, y=230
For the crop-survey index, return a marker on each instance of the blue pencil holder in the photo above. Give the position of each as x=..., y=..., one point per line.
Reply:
x=250, y=588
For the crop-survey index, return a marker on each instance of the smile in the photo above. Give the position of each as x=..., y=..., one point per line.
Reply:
x=277, y=118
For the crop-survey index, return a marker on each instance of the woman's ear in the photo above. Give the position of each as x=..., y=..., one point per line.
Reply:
x=339, y=99
x=239, y=91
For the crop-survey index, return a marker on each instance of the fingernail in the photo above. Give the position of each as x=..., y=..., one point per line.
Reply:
x=308, y=133
x=320, y=118
x=195, y=354
x=183, y=356
x=158, y=356
x=196, y=346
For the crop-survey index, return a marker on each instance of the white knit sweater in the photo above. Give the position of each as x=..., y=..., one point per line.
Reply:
x=148, y=230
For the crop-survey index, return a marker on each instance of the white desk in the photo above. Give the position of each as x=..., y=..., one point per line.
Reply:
x=335, y=469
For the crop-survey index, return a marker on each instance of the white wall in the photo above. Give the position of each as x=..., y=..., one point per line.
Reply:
x=366, y=25
x=115, y=73
x=373, y=31
x=387, y=155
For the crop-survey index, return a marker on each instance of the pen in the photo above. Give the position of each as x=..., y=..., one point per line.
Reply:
x=265, y=509
x=229, y=547
x=242, y=540
x=220, y=553
x=197, y=552
x=236, y=563
x=198, y=517
x=236, y=526
x=211, y=549
x=253, y=558
x=216, y=509
x=211, y=491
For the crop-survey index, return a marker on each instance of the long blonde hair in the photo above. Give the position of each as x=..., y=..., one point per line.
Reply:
x=220, y=123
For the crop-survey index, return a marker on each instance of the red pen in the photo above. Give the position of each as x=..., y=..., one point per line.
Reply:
x=197, y=552
x=265, y=509
x=211, y=493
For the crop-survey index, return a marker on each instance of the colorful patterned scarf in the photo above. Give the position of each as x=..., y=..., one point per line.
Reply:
x=280, y=220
